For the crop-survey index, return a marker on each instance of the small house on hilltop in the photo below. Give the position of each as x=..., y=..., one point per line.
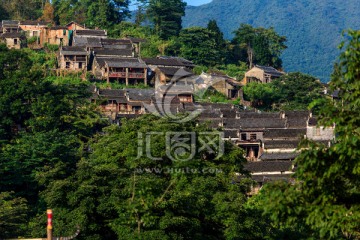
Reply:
x=13, y=40
x=73, y=58
x=261, y=74
x=10, y=26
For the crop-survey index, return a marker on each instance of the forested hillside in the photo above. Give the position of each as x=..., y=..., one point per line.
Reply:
x=313, y=28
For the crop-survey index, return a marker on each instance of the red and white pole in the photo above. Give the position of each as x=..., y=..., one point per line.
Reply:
x=49, y=224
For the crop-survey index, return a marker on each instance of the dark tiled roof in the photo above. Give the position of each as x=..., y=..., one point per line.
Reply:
x=73, y=50
x=278, y=156
x=254, y=123
x=163, y=62
x=296, y=114
x=271, y=177
x=90, y=32
x=281, y=144
x=284, y=133
x=231, y=133
x=110, y=41
x=93, y=42
x=228, y=113
x=222, y=106
x=101, y=60
x=112, y=92
x=12, y=35
x=125, y=62
x=10, y=23
x=296, y=122
x=174, y=89
x=58, y=28
x=246, y=114
x=178, y=72
x=184, y=61
x=140, y=94
x=270, y=70
x=113, y=52
x=268, y=166
x=35, y=23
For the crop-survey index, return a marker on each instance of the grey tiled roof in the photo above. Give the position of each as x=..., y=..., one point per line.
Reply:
x=284, y=133
x=12, y=35
x=172, y=71
x=113, y=52
x=248, y=114
x=35, y=23
x=281, y=144
x=140, y=94
x=232, y=133
x=90, y=32
x=270, y=70
x=73, y=50
x=254, y=123
x=124, y=62
x=163, y=62
x=271, y=177
x=268, y=166
x=278, y=156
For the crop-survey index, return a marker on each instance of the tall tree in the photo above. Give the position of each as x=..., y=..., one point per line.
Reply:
x=258, y=45
x=48, y=13
x=221, y=44
x=166, y=16
x=199, y=45
x=325, y=196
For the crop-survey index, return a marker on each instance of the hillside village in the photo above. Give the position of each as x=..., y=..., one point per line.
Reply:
x=270, y=140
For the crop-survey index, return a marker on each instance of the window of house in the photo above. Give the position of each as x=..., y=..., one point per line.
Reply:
x=243, y=136
x=67, y=65
x=64, y=33
x=253, y=136
x=80, y=64
x=15, y=41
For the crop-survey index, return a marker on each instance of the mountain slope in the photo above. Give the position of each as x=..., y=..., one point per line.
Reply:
x=313, y=28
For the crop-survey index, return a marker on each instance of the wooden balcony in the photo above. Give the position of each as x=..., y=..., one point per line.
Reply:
x=123, y=75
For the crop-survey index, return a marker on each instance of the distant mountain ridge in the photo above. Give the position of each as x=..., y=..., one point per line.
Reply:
x=313, y=28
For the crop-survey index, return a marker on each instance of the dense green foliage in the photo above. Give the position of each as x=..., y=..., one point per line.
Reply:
x=98, y=13
x=326, y=195
x=166, y=16
x=313, y=28
x=258, y=46
x=293, y=91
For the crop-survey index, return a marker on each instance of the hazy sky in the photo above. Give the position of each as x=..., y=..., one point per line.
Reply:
x=197, y=2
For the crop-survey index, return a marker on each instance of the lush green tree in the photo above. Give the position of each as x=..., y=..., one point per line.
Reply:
x=22, y=9
x=221, y=44
x=119, y=193
x=292, y=91
x=297, y=90
x=98, y=13
x=258, y=45
x=261, y=96
x=166, y=16
x=199, y=45
x=13, y=212
x=325, y=196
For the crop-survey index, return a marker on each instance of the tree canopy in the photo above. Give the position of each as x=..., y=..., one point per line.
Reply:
x=325, y=196
x=261, y=46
